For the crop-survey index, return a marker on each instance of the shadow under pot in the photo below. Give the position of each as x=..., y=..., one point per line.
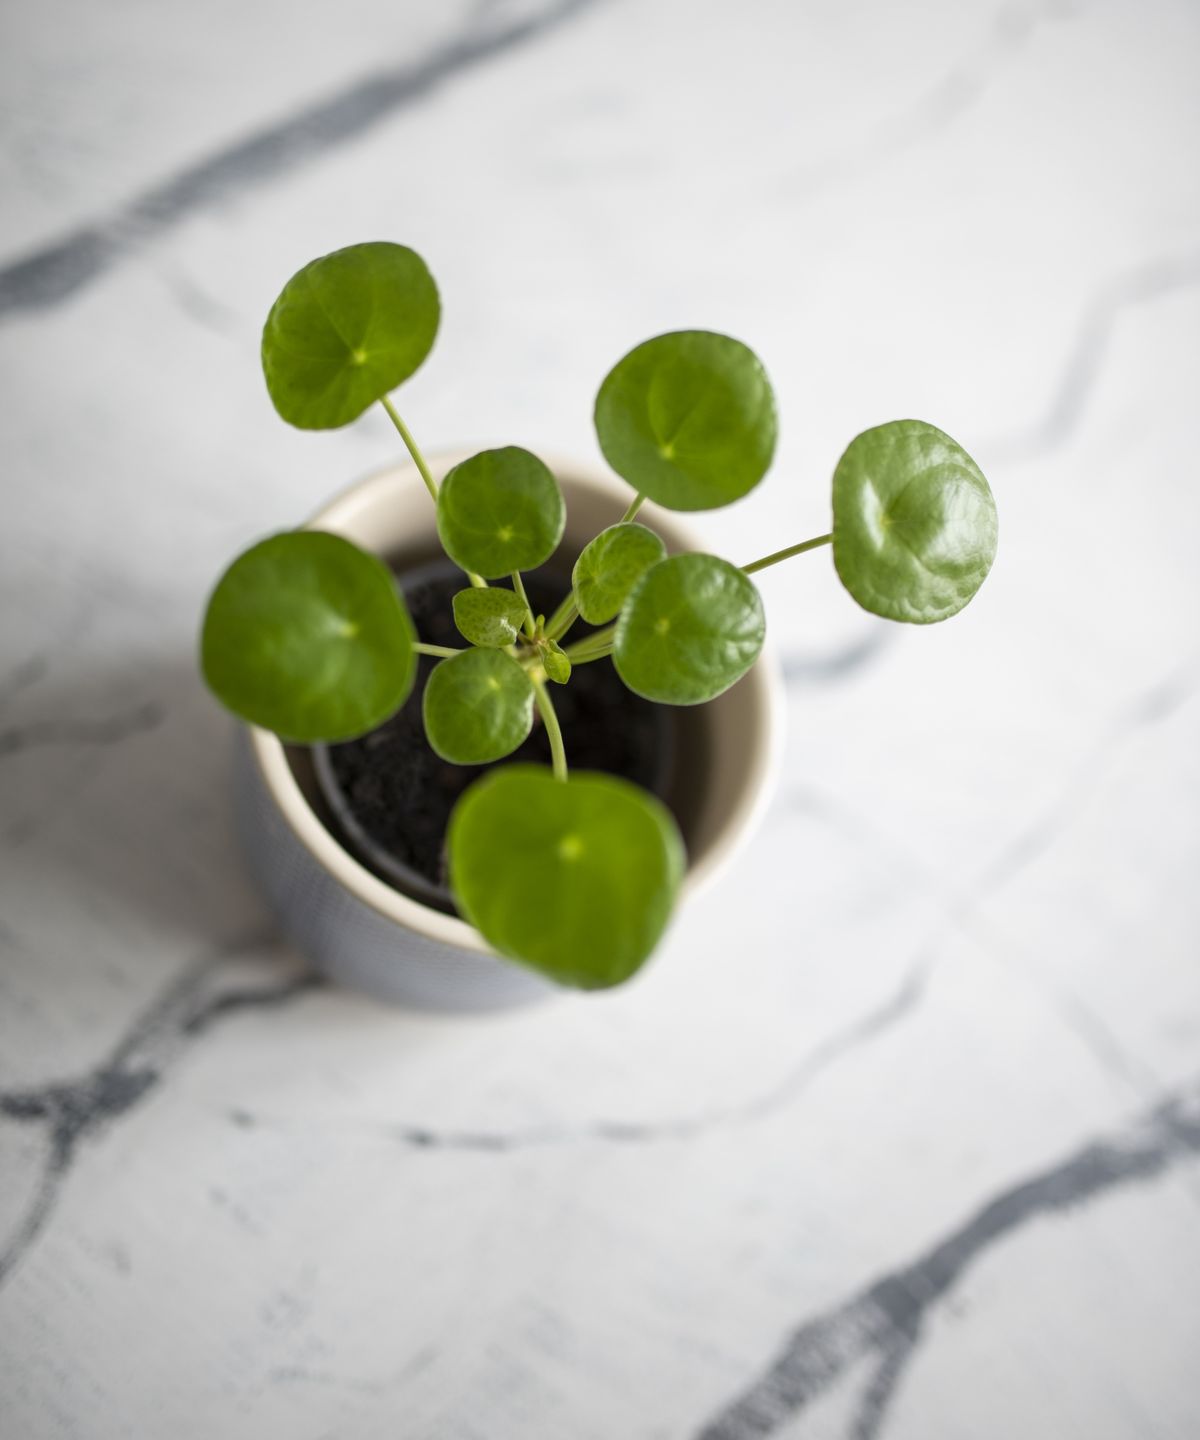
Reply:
x=347, y=841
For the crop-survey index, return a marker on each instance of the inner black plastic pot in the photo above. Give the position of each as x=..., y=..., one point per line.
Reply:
x=387, y=796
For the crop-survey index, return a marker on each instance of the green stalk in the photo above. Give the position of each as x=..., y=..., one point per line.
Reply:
x=440, y=650
x=411, y=445
x=562, y=619
x=550, y=720
x=786, y=554
x=519, y=587
x=600, y=640
x=589, y=656
x=419, y=461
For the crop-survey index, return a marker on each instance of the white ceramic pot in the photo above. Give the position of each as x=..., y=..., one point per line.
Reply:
x=358, y=929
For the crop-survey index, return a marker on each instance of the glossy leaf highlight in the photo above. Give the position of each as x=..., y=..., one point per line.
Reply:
x=914, y=523
x=491, y=617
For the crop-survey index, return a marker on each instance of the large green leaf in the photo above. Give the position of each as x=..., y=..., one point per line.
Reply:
x=688, y=419
x=478, y=707
x=914, y=523
x=576, y=879
x=306, y=635
x=491, y=617
x=346, y=330
x=692, y=626
x=500, y=511
x=610, y=566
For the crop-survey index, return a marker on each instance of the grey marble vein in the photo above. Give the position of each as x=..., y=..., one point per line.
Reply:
x=28, y=672
x=75, y=1110
x=1138, y=285
x=849, y=1038
x=199, y=305
x=109, y=730
x=883, y=1322
x=1152, y=706
x=72, y=1111
x=802, y=668
x=249, y=997
x=52, y=274
x=877, y=1395
x=961, y=906
x=953, y=95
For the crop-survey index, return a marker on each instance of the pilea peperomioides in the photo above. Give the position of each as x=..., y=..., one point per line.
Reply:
x=307, y=635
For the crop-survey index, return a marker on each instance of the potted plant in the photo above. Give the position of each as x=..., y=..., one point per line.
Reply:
x=571, y=873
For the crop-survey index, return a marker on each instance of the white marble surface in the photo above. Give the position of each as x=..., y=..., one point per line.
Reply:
x=898, y=1133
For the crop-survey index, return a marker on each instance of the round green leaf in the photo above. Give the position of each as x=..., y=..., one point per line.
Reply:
x=693, y=625
x=576, y=879
x=688, y=419
x=346, y=330
x=307, y=635
x=914, y=523
x=610, y=566
x=500, y=511
x=491, y=617
x=478, y=707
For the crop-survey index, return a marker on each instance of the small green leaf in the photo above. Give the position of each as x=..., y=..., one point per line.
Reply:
x=478, y=707
x=555, y=663
x=576, y=879
x=914, y=523
x=688, y=419
x=692, y=626
x=346, y=330
x=306, y=635
x=500, y=511
x=610, y=566
x=491, y=617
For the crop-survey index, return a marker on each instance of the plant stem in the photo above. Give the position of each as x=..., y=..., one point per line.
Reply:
x=563, y=618
x=550, y=720
x=600, y=640
x=590, y=655
x=787, y=554
x=519, y=587
x=635, y=505
x=441, y=650
x=556, y=620
x=419, y=461
x=411, y=446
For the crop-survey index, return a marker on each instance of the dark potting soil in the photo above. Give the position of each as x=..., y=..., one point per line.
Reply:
x=400, y=794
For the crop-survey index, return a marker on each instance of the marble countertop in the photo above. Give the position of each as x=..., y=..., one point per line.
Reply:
x=898, y=1134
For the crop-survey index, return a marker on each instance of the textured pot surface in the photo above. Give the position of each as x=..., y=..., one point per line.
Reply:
x=364, y=933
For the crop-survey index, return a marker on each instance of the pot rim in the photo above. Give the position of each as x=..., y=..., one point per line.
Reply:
x=269, y=756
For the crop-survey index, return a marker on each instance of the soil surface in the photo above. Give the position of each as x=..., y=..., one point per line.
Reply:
x=399, y=794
